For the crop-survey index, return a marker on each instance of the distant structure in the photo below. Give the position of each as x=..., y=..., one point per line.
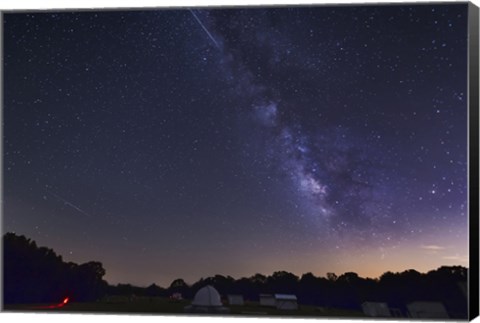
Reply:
x=206, y=300
x=176, y=297
x=376, y=309
x=430, y=310
x=267, y=300
x=463, y=287
x=235, y=300
x=396, y=312
x=286, y=302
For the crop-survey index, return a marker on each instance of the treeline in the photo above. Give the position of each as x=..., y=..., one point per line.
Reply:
x=33, y=274
x=346, y=291
x=36, y=274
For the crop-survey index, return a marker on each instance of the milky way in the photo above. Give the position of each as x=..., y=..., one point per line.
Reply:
x=354, y=196
x=239, y=140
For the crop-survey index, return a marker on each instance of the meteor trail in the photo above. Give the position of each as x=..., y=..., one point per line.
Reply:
x=68, y=203
x=204, y=28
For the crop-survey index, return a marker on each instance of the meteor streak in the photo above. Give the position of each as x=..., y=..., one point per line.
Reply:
x=68, y=203
x=204, y=28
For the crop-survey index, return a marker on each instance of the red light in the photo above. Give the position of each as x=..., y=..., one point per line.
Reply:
x=63, y=303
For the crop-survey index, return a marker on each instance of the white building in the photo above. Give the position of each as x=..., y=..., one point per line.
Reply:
x=235, y=300
x=428, y=310
x=267, y=300
x=286, y=302
x=376, y=309
x=206, y=300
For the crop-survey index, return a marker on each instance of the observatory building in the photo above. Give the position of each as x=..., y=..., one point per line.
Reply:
x=206, y=300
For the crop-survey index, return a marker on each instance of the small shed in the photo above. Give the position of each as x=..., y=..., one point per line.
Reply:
x=286, y=302
x=428, y=310
x=267, y=300
x=376, y=309
x=235, y=300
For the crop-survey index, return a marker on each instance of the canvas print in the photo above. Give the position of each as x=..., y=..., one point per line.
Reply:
x=300, y=161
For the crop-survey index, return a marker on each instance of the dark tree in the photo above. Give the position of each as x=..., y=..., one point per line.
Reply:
x=38, y=275
x=179, y=286
x=154, y=291
x=283, y=282
x=332, y=277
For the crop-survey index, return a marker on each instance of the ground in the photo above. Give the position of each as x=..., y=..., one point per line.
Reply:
x=157, y=305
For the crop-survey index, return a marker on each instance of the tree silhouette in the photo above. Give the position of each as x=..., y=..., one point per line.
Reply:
x=332, y=277
x=154, y=291
x=38, y=275
x=282, y=282
x=179, y=286
x=35, y=274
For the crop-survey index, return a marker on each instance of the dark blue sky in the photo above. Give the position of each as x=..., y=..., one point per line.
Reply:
x=188, y=143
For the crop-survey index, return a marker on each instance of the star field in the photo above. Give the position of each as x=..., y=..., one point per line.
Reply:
x=237, y=141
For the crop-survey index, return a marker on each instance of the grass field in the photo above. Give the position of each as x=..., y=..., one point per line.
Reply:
x=166, y=306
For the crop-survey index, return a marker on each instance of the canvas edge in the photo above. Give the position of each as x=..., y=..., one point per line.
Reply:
x=1, y=154
x=473, y=84
x=473, y=133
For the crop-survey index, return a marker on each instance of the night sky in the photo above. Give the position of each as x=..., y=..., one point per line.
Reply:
x=187, y=143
